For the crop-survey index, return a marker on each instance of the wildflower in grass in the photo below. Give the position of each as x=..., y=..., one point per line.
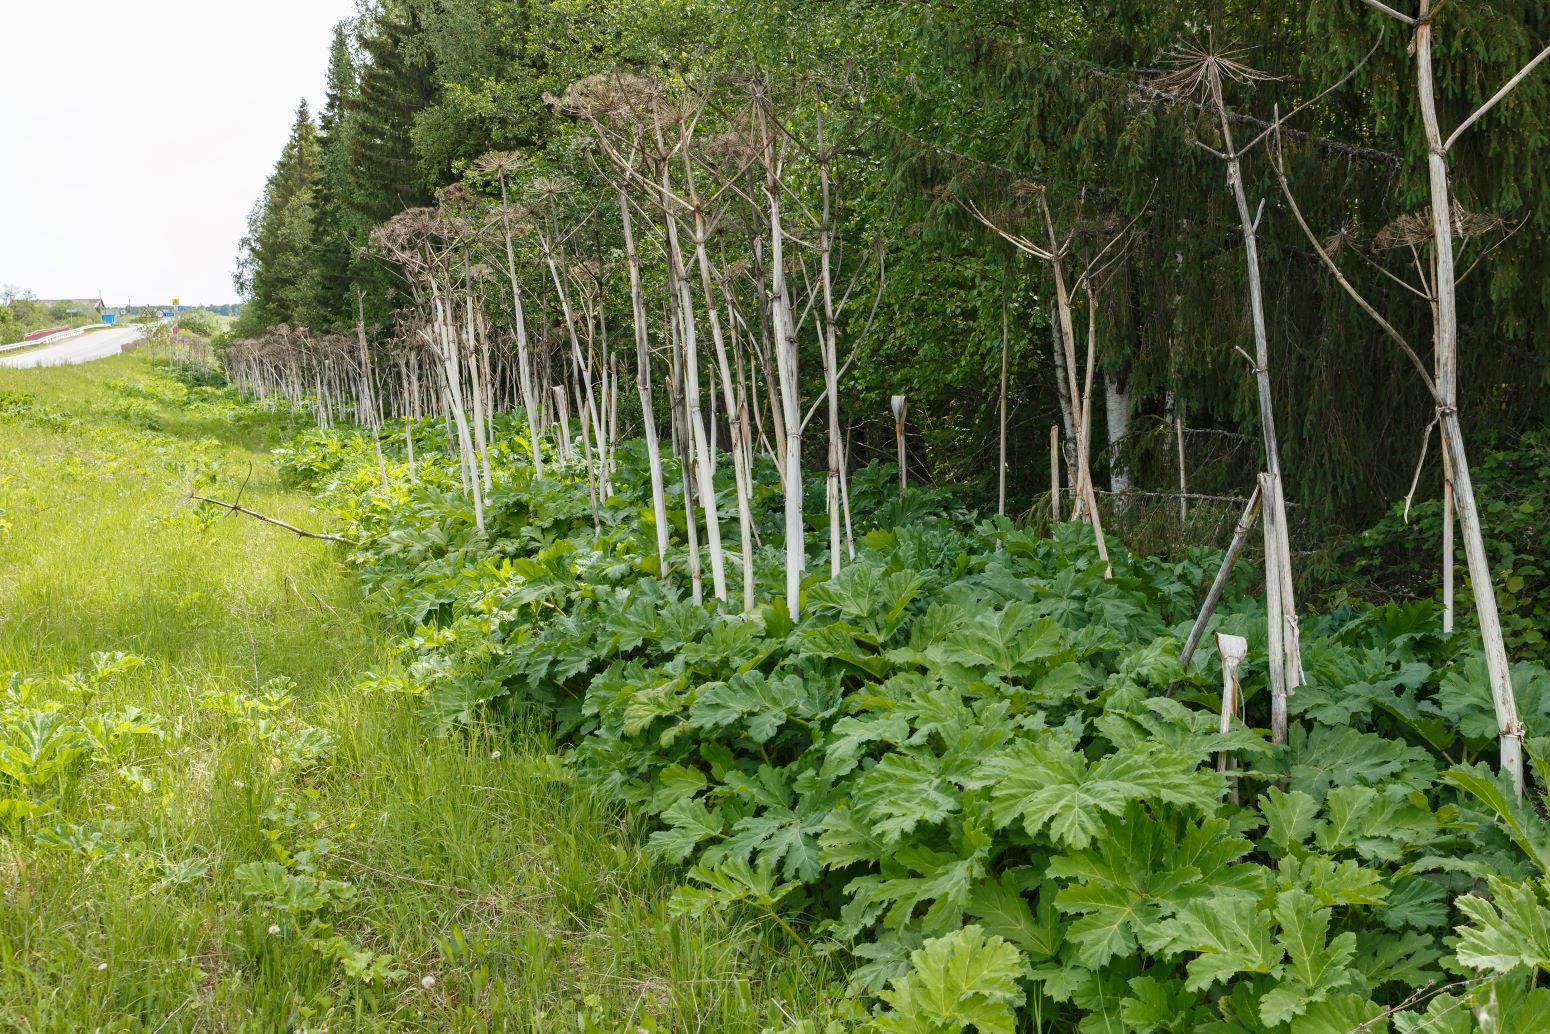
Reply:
x=274, y=928
x=427, y=981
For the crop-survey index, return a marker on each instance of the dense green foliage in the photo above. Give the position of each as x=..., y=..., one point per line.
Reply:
x=203, y=322
x=1397, y=556
x=975, y=769
x=946, y=104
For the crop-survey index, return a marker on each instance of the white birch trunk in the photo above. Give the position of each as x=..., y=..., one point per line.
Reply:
x=1116, y=405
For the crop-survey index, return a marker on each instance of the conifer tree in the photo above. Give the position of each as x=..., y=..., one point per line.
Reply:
x=275, y=271
x=336, y=237
x=396, y=84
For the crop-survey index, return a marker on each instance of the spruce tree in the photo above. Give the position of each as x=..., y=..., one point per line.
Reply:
x=275, y=272
x=337, y=237
x=396, y=84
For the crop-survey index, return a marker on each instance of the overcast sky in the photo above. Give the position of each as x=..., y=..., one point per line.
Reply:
x=135, y=137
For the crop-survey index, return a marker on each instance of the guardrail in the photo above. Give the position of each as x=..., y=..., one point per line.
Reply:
x=53, y=336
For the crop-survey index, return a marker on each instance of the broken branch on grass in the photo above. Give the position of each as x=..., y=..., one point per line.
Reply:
x=235, y=508
x=407, y=879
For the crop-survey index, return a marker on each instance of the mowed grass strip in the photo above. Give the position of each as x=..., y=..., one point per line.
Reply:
x=206, y=826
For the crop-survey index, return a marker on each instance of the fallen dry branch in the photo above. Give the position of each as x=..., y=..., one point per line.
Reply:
x=407, y=879
x=235, y=508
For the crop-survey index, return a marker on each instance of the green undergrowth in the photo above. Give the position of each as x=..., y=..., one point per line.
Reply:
x=1399, y=557
x=204, y=826
x=974, y=772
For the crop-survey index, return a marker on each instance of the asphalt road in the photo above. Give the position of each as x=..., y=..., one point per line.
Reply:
x=94, y=344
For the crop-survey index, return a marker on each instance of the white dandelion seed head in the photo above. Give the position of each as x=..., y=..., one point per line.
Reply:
x=427, y=981
x=274, y=928
x=101, y=966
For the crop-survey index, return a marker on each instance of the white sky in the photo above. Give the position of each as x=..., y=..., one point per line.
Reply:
x=135, y=137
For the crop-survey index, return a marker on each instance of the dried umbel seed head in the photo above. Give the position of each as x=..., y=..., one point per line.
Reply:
x=454, y=195
x=419, y=221
x=678, y=108
x=547, y=188
x=1099, y=224
x=1409, y=229
x=1200, y=70
x=737, y=146
x=1474, y=224
x=498, y=163
x=609, y=93
x=519, y=217
x=1415, y=228
x=451, y=227
x=386, y=238
x=403, y=231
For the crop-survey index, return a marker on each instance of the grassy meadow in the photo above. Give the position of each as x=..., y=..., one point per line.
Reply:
x=206, y=826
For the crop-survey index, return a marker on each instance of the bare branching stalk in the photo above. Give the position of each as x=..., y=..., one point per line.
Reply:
x=1205, y=72
x=1445, y=280
x=1076, y=398
x=1441, y=381
x=502, y=165
x=774, y=147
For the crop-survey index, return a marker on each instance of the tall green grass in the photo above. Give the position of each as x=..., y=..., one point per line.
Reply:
x=482, y=888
